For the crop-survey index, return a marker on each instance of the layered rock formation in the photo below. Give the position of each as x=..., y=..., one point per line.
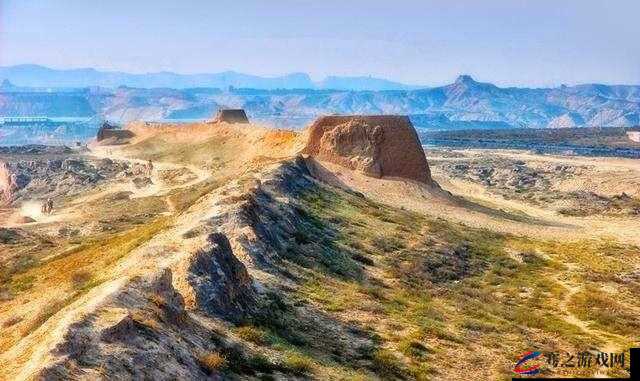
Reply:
x=379, y=146
x=40, y=172
x=231, y=116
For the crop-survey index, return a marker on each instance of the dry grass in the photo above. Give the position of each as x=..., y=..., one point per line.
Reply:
x=386, y=363
x=436, y=289
x=79, y=279
x=297, y=363
x=67, y=276
x=212, y=361
x=592, y=304
x=335, y=296
x=184, y=198
x=145, y=320
x=252, y=334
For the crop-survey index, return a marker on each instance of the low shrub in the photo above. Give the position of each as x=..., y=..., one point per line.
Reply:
x=297, y=363
x=212, y=361
x=252, y=334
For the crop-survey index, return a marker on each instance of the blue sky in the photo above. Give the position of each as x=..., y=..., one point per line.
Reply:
x=508, y=42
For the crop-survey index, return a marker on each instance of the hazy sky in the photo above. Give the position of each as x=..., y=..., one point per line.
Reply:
x=508, y=42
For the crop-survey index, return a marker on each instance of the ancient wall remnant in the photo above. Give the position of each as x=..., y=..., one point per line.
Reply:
x=231, y=116
x=378, y=145
x=110, y=134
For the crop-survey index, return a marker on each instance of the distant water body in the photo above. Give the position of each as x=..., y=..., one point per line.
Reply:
x=542, y=148
x=53, y=131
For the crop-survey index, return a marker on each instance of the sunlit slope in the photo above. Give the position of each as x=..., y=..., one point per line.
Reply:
x=215, y=146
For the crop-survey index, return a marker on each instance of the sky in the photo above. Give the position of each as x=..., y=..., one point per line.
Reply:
x=428, y=42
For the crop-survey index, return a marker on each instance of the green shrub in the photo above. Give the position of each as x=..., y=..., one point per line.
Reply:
x=261, y=363
x=252, y=334
x=297, y=363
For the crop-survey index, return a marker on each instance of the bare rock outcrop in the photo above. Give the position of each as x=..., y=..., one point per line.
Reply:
x=220, y=281
x=32, y=173
x=379, y=146
x=231, y=116
x=142, y=332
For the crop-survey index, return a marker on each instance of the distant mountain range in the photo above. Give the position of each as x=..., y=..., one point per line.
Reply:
x=464, y=104
x=40, y=76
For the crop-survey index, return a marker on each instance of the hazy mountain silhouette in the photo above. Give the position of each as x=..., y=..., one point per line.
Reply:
x=40, y=76
x=464, y=103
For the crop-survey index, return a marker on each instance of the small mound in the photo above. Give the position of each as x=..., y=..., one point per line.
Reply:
x=378, y=146
x=231, y=116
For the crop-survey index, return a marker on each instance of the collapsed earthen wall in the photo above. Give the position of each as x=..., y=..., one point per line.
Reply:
x=112, y=135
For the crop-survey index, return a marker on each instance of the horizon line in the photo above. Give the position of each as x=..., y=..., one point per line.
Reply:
x=311, y=77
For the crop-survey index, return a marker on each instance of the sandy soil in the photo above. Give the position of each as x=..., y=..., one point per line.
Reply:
x=472, y=204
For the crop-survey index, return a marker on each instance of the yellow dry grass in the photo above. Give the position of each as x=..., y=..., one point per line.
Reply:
x=212, y=361
x=53, y=284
